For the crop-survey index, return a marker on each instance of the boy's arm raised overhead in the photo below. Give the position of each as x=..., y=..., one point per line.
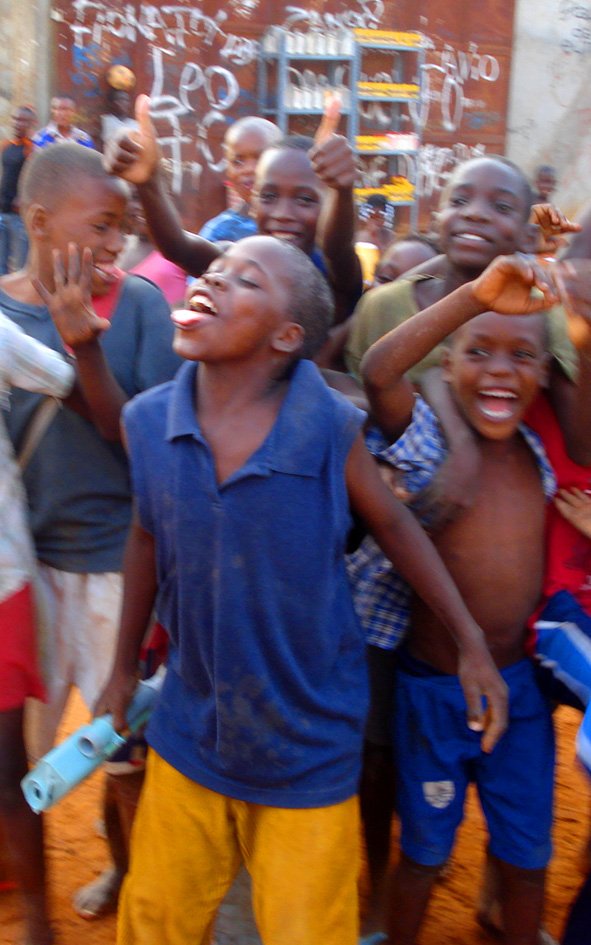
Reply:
x=404, y=542
x=135, y=156
x=334, y=162
x=504, y=287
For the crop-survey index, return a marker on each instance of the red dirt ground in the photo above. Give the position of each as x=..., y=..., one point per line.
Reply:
x=77, y=854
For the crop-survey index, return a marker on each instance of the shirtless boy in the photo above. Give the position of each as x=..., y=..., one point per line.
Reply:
x=494, y=365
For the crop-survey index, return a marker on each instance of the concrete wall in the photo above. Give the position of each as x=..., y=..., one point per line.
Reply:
x=549, y=117
x=25, y=60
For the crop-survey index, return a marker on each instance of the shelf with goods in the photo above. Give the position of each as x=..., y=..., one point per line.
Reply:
x=295, y=70
x=285, y=91
x=399, y=80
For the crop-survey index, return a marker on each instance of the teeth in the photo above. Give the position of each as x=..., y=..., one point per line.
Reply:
x=471, y=236
x=497, y=414
x=280, y=235
x=505, y=394
x=201, y=303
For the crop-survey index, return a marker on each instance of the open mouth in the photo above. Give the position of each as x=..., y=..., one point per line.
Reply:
x=473, y=238
x=200, y=309
x=286, y=235
x=497, y=404
x=108, y=272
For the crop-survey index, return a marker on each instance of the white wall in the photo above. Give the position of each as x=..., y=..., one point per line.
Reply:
x=549, y=120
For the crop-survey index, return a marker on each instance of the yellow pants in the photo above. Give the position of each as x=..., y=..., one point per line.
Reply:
x=188, y=843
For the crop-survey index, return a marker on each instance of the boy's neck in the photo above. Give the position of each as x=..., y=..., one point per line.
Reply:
x=19, y=287
x=237, y=386
x=495, y=450
x=456, y=276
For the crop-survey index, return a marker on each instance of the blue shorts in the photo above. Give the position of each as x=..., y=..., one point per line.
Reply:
x=437, y=755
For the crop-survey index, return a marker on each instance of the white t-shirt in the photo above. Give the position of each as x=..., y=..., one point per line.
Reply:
x=25, y=363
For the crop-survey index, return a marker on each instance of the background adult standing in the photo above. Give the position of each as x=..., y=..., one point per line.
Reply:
x=14, y=152
x=61, y=127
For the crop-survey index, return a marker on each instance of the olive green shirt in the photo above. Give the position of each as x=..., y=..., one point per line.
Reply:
x=382, y=309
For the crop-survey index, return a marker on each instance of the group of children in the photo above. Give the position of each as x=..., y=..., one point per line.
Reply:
x=248, y=471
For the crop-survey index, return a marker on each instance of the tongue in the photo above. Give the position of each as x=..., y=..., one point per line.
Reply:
x=497, y=405
x=108, y=270
x=185, y=318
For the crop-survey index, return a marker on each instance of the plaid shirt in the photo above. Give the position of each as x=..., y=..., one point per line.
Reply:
x=381, y=596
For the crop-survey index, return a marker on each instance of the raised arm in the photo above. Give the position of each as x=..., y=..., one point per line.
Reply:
x=333, y=160
x=135, y=156
x=411, y=552
x=505, y=287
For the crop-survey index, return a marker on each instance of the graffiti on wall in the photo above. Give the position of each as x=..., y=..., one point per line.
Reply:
x=199, y=68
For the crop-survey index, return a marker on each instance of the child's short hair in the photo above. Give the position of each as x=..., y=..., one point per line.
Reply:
x=253, y=123
x=411, y=237
x=311, y=301
x=526, y=188
x=53, y=174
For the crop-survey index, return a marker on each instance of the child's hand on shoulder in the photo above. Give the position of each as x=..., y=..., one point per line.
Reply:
x=575, y=506
x=333, y=159
x=70, y=304
x=134, y=155
x=506, y=286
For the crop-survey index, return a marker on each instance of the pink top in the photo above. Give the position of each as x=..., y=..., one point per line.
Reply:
x=169, y=278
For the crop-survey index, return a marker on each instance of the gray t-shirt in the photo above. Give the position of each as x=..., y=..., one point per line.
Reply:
x=77, y=482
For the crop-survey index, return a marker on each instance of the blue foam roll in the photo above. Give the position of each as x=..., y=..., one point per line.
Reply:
x=68, y=764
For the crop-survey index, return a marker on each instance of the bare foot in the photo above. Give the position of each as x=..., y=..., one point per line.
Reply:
x=99, y=897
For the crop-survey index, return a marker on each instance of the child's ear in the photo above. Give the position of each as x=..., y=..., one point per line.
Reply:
x=529, y=238
x=289, y=338
x=36, y=217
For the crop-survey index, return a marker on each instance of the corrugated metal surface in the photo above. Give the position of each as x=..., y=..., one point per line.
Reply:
x=198, y=62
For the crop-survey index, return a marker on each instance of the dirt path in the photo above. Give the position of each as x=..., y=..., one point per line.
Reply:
x=77, y=854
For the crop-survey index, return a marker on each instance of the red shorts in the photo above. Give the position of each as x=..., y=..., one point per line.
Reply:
x=19, y=673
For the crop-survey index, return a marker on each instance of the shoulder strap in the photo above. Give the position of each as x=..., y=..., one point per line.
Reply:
x=36, y=428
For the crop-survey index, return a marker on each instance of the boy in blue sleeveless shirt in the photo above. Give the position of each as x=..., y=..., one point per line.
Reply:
x=244, y=471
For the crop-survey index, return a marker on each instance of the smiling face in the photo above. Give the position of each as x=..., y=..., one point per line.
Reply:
x=238, y=308
x=287, y=197
x=242, y=156
x=484, y=214
x=495, y=367
x=91, y=216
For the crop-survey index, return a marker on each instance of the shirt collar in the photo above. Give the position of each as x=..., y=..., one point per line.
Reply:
x=297, y=441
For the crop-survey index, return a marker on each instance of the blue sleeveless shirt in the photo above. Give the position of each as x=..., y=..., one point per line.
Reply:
x=266, y=691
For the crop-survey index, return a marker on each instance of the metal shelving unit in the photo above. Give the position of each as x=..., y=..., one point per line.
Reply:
x=341, y=60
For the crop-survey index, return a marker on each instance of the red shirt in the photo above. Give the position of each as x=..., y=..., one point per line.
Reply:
x=568, y=552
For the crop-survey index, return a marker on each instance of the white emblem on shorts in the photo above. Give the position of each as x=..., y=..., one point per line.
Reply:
x=439, y=794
